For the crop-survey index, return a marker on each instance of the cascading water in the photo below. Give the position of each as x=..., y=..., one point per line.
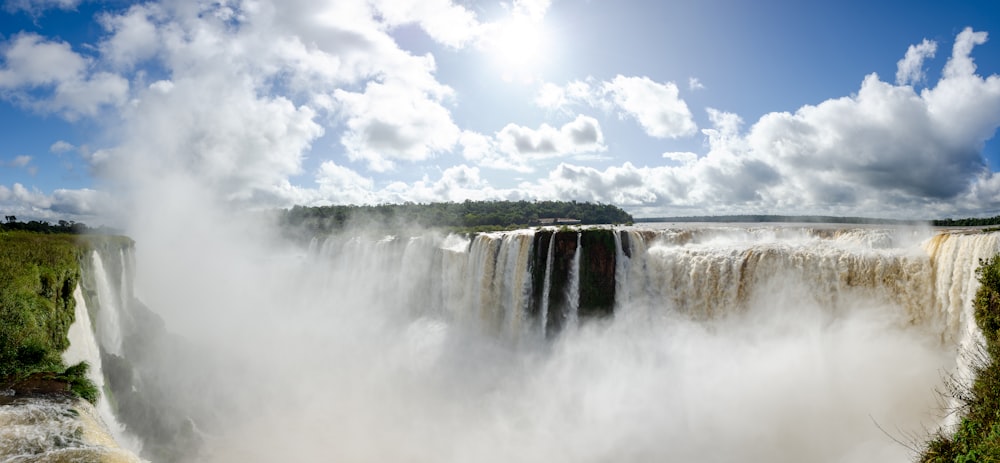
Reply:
x=573, y=287
x=777, y=344
x=547, y=285
x=109, y=330
x=84, y=348
x=64, y=430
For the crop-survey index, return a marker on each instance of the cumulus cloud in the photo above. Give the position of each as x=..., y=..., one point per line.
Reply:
x=657, y=107
x=216, y=129
x=250, y=87
x=133, y=35
x=887, y=150
x=447, y=23
x=910, y=69
x=695, y=84
x=237, y=96
x=341, y=185
x=31, y=204
x=61, y=146
x=48, y=76
x=19, y=161
x=516, y=147
x=682, y=157
x=887, y=141
x=391, y=122
x=36, y=7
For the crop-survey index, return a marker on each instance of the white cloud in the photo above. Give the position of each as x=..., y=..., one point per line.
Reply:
x=533, y=9
x=31, y=60
x=36, y=7
x=961, y=64
x=695, y=84
x=234, y=96
x=19, y=161
x=50, y=77
x=252, y=85
x=134, y=36
x=61, y=146
x=886, y=151
x=683, y=157
x=578, y=92
x=447, y=23
x=657, y=107
x=216, y=129
x=910, y=69
x=457, y=183
x=31, y=204
x=390, y=122
x=517, y=148
x=341, y=185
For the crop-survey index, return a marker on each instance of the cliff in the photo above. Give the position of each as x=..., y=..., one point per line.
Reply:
x=46, y=407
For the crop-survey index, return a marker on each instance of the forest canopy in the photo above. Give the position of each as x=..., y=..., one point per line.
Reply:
x=469, y=215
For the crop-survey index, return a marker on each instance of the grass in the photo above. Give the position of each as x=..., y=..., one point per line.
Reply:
x=38, y=273
x=977, y=437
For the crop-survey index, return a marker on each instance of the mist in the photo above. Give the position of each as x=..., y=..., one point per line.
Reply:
x=357, y=348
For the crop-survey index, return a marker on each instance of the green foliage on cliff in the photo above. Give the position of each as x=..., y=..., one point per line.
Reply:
x=480, y=215
x=977, y=438
x=38, y=273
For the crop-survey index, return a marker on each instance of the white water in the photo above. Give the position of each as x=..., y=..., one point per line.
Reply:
x=765, y=344
x=573, y=288
x=83, y=347
x=109, y=331
x=547, y=284
x=36, y=430
x=62, y=430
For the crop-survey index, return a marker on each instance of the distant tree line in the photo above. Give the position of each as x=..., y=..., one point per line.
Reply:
x=468, y=214
x=783, y=219
x=968, y=222
x=11, y=223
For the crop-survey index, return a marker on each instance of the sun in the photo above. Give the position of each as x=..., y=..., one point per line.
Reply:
x=519, y=47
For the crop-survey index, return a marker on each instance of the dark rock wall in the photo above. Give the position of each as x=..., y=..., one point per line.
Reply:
x=597, y=273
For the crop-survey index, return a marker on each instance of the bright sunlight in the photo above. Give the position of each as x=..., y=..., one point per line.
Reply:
x=519, y=47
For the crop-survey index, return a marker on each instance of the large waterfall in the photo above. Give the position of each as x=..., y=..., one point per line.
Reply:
x=63, y=430
x=507, y=279
x=634, y=344
x=696, y=343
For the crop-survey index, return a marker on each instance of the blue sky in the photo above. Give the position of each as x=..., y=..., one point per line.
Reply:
x=664, y=108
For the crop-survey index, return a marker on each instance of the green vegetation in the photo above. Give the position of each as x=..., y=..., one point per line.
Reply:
x=967, y=222
x=762, y=218
x=38, y=273
x=11, y=223
x=467, y=216
x=977, y=438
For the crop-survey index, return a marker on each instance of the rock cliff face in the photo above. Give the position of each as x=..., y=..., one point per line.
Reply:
x=552, y=268
x=597, y=273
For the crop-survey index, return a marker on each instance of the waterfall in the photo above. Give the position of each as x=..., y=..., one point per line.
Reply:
x=573, y=290
x=955, y=258
x=703, y=273
x=547, y=288
x=621, y=271
x=109, y=330
x=755, y=343
x=83, y=347
x=516, y=281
